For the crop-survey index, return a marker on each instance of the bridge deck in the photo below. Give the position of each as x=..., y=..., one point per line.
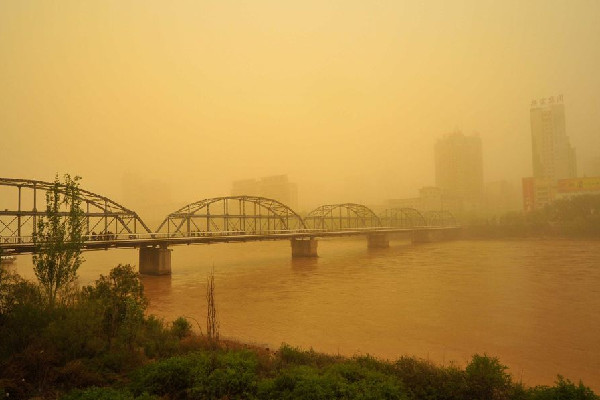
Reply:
x=26, y=245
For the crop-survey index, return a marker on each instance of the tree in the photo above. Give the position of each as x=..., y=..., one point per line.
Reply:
x=59, y=238
x=120, y=300
x=487, y=379
x=212, y=324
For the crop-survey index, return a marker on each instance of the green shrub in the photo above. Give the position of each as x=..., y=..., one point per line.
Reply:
x=365, y=378
x=99, y=393
x=120, y=299
x=426, y=381
x=345, y=380
x=211, y=375
x=564, y=389
x=231, y=375
x=297, y=382
x=288, y=355
x=172, y=376
x=487, y=379
x=181, y=328
x=156, y=339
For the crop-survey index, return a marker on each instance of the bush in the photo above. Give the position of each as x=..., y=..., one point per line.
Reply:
x=298, y=382
x=230, y=375
x=173, y=376
x=289, y=355
x=98, y=393
x=181, y=328
x=487, y=379
x=365, y=380
x=200, y=376
x=346, y=380
x=424, y=380
x=564, y=389
x=120, y=299
x=156, y=339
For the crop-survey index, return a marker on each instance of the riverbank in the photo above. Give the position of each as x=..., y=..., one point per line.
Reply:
x=229, y=370
x=572, y=217
x=98, y=343
x=494, y=231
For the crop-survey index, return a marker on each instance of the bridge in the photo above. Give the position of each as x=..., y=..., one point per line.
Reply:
x=108, y=224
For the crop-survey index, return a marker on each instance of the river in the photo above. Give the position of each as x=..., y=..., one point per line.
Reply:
x=534, y=304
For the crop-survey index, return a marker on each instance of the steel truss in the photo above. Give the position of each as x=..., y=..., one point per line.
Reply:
x=440, y=218
x=233, y=215
x=402, y=218
x=345, y=216
x=104, y=218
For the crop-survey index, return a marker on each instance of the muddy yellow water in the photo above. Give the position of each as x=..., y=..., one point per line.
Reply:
x=535, y=304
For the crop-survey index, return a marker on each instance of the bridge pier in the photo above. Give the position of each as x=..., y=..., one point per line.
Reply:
x=378, y=241
x=304, y=247
x=155, y=260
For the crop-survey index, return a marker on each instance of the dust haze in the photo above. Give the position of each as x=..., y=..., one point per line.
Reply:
x=160, y=104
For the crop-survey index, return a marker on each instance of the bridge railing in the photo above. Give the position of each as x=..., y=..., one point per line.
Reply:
x=116, y=237
x=235, y=233
x=11, y=242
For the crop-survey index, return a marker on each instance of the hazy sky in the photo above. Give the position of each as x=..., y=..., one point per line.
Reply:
x=347, y=97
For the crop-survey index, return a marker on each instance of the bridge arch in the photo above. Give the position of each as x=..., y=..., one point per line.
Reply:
x=333, y=217
x=402, y=218
x=18, y=222
x=233, y=215
x=440, y=218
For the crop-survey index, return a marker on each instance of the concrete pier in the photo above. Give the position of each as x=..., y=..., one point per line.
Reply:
x=304, y=247
x=155, y=260
x=378, y=241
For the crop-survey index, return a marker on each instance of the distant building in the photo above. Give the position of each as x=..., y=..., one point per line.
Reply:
x=553, y=157
x=552, y=153
x=430, y=198
x=245, y=187
x=578, y=186
x=537, y=193
x=459, y=171
x=276, y=187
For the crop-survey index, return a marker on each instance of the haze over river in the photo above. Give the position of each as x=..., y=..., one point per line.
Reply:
x=535, y=304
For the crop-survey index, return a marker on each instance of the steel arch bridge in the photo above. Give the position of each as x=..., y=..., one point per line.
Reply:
x=232, y=215
x=440, y=218
x=402, y=218
x=347, y=216
x=104, y=219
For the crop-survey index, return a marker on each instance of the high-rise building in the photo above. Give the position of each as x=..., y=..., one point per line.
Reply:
x=459, y=170
x=553, y=156
x=276, y=187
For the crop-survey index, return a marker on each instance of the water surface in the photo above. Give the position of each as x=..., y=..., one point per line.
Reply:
x=535, y=304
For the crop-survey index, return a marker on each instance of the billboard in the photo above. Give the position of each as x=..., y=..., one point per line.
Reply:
x=578, y=185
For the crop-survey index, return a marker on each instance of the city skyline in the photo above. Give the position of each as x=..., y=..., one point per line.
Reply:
x=347, y=99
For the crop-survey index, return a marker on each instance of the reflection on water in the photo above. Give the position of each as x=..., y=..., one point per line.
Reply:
x=534, y=304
